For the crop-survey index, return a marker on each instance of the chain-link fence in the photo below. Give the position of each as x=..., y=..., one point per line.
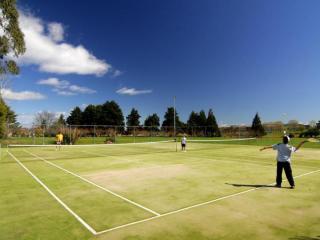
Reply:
x=100, y=134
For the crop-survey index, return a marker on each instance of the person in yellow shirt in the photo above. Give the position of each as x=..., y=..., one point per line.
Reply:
x=59, y=140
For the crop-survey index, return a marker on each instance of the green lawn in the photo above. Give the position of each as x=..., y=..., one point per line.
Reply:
x=143, y=180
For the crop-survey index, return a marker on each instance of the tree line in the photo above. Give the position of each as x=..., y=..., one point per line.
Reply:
x=110, y=113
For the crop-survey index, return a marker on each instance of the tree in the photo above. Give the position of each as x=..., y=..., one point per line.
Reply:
x=75, y=117
x=44, y=119
x=212, y=125
x=133, y=118
x=318, y=125
x=89, y=115
x=11, y=39
x=257, y=126
x=169, y=118
x=112, y=114
x=202, y=119
x=11, y=44
x=193, y=119
x=61, y=121
x=152, y=122
x=3, y=115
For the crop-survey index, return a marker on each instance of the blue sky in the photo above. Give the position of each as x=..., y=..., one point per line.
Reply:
x=236, y=57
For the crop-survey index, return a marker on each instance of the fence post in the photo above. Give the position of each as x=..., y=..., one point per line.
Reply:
x=134, y=134
x=70, y=140
x=94, y=134
x=42, y=136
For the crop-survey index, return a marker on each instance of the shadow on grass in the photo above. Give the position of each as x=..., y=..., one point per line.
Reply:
x=304, y=238
x=254, y=186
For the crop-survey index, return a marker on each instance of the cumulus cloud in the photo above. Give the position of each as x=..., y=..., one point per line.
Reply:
x=9, y=94
x=46, y=48
x=132, y=91
x=64, y=88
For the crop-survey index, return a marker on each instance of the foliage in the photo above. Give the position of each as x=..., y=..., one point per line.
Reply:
x=212, y=125
x=11, y=39
x=3, y=115
x=152, y=121
x=169, y=118
x=133, y=118
x=257, y=126
x=193, y=120
x=89, y=115
x=75, y=117
x=312, y=132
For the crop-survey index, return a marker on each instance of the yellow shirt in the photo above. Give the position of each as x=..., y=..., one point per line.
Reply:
x=59, y=137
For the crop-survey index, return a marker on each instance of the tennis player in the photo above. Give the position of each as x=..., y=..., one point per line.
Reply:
x=59, y=140
x=284, y=159
x=183, y=143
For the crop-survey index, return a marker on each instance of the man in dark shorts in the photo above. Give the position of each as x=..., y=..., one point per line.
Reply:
x=183, y=143
x=284, y=159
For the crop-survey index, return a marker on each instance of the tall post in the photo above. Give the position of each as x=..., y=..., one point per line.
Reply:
x=43, y=134
x=94, y=134
x=134, y=134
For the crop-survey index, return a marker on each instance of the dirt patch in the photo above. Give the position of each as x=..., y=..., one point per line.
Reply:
x=123, y=179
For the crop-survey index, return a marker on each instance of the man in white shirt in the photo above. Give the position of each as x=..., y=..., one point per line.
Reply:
x=284, y=159
x=183, y=143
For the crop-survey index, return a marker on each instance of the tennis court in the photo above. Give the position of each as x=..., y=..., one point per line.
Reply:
x=135, y=191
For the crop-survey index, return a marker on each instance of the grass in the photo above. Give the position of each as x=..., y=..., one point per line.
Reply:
x=163, y=180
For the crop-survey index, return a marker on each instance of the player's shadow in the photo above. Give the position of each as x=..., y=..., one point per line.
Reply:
x=253, y=185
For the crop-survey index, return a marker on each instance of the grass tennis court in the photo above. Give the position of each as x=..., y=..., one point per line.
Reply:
x=150, y=191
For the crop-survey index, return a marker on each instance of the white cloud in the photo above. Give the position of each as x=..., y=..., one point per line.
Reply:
x=45, y=49
x=63, y=93
x=132, y=91
x=64, y=88
x=8, y=94
x=54, y=82
x=55, y=31
x=117, y=73
x=79, y=89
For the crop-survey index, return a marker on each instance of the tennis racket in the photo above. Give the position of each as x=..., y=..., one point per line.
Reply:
x=313, y=140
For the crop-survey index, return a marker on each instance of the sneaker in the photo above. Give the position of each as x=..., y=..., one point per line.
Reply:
x=277, y=185
x=292, y=187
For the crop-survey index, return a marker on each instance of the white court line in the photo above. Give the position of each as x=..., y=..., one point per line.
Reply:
x=94, y=184
x=86, y=225
x=196, y=205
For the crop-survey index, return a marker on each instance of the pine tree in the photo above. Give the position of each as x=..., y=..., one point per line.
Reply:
x=212, y=125
x=257, y=127
x=169, y=118
x=75, y=117
x=152, y=122
x=133, y=118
